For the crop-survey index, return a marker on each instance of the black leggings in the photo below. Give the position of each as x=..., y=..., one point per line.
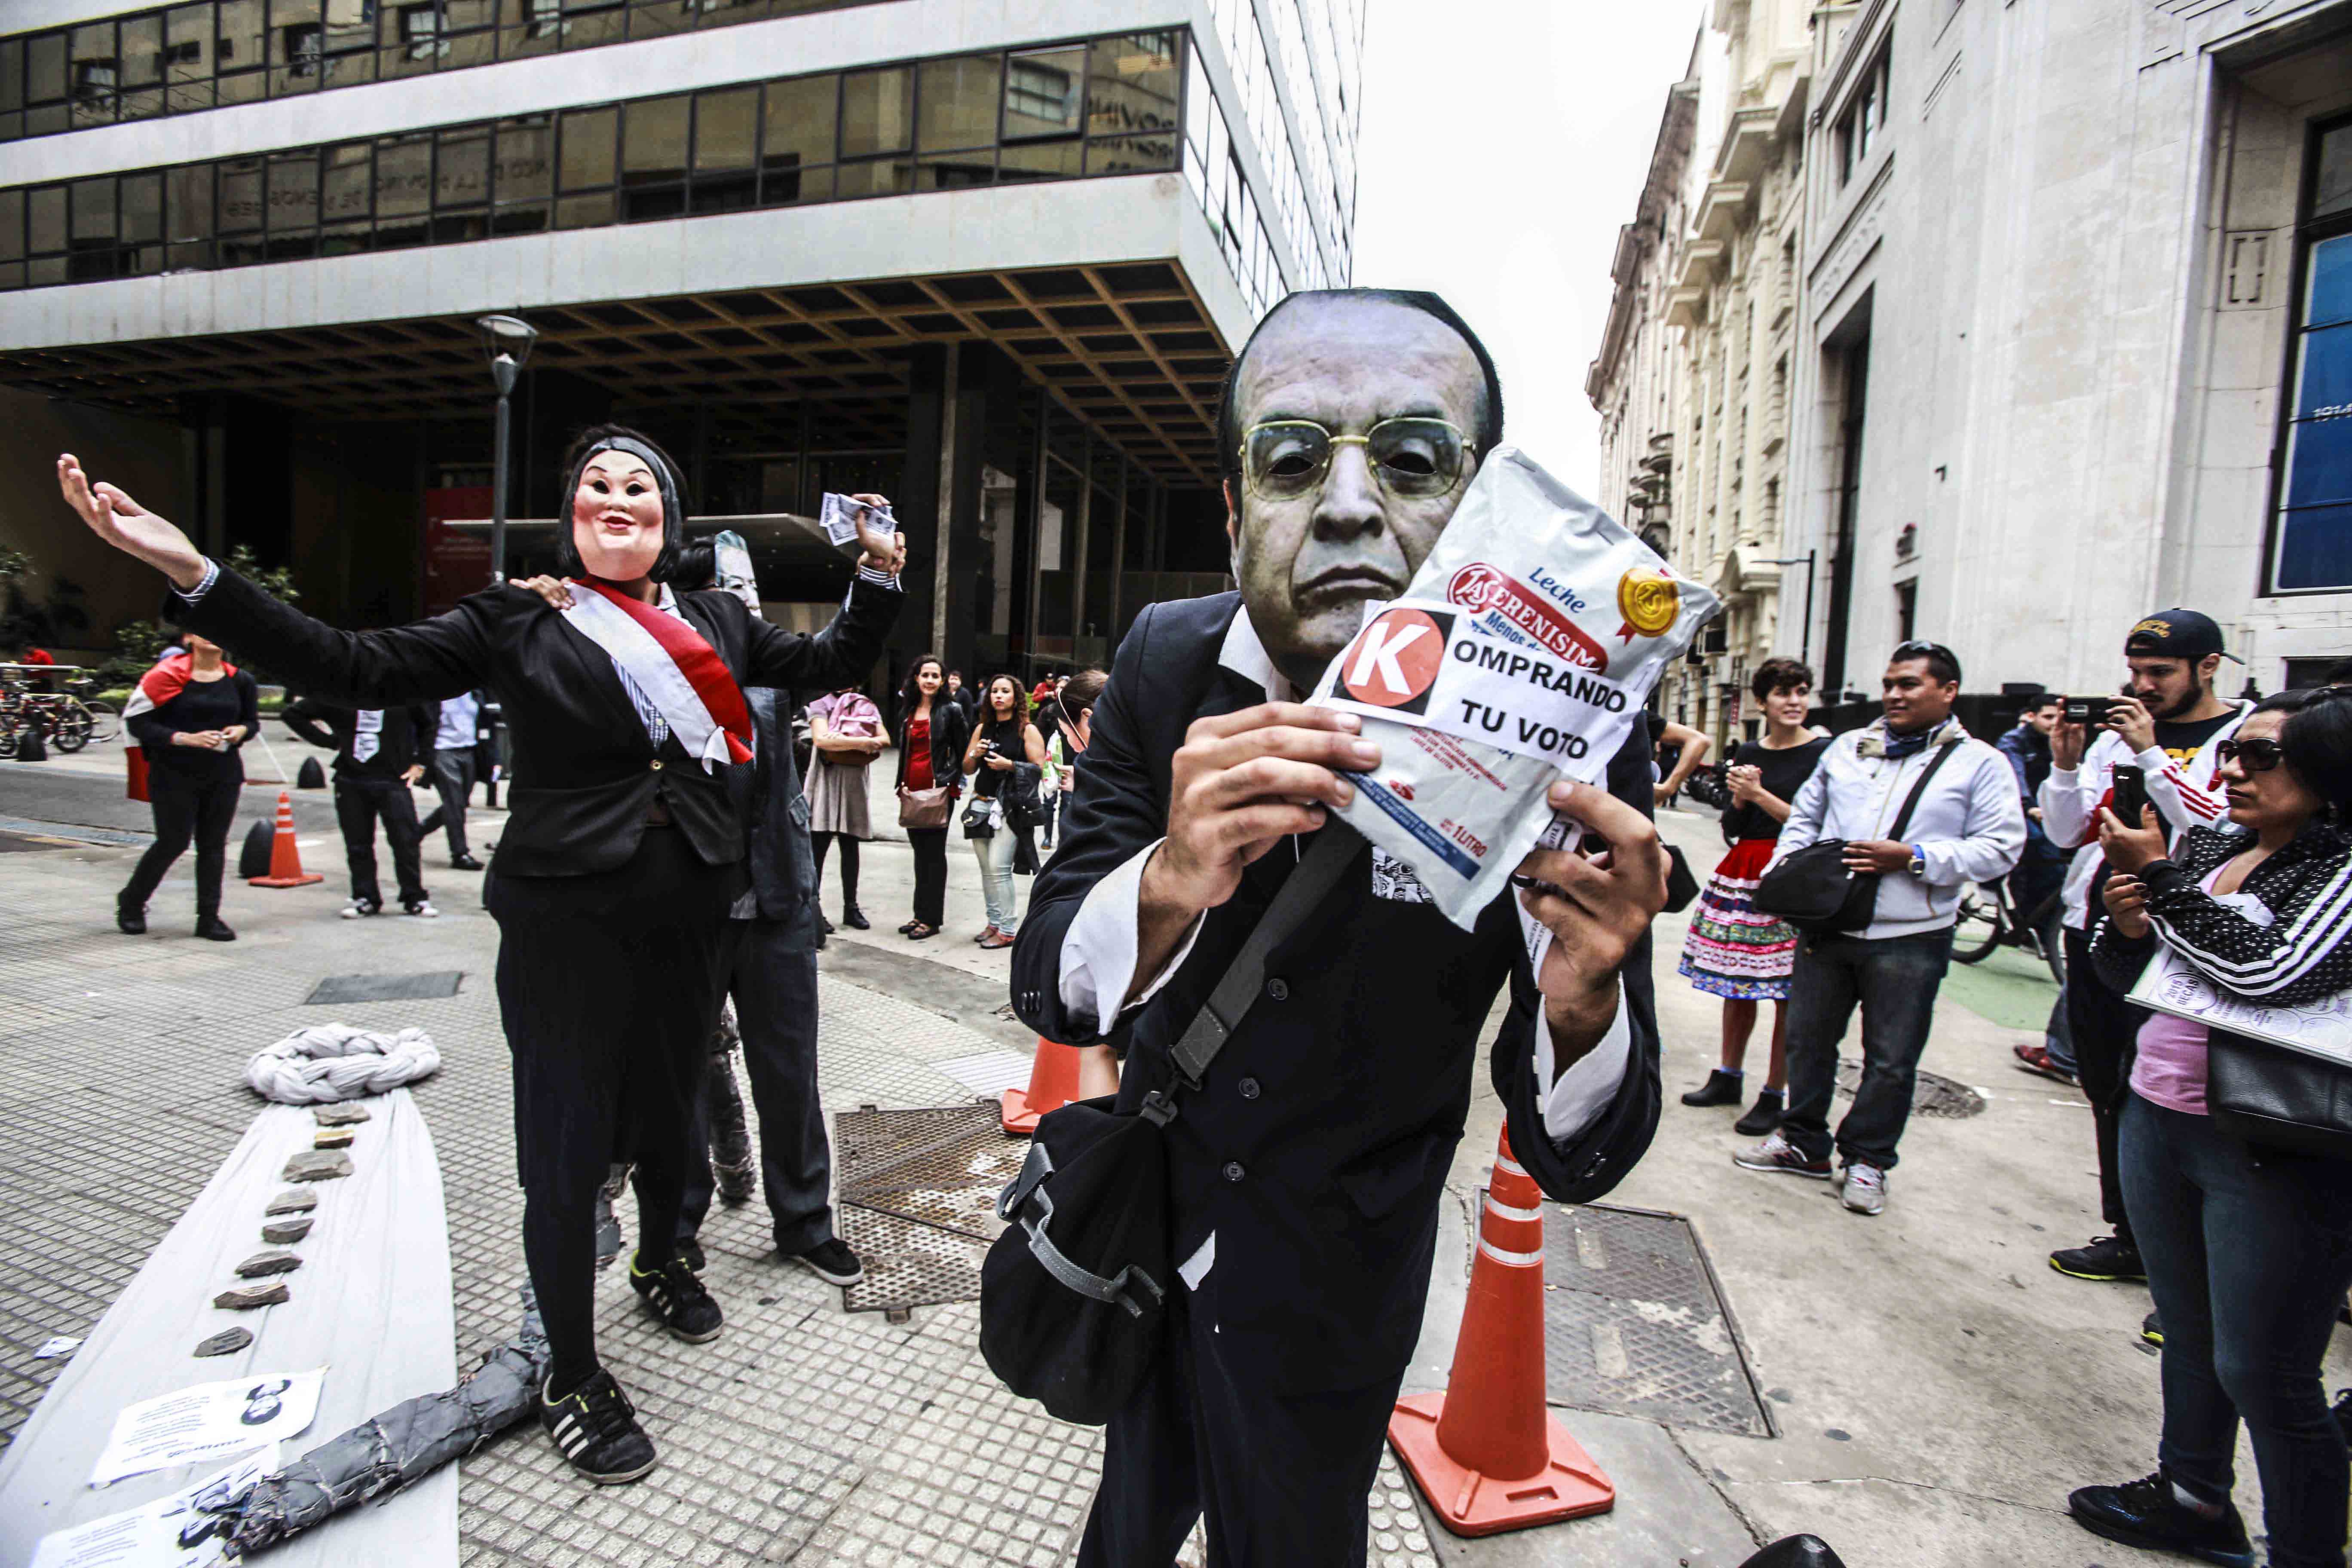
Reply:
x=824, y=841
x=608, y=991
x=930, y=847
x=197, y=809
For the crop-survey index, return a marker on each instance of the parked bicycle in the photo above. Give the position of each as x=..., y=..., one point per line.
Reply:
x=67, y=719
x=1989, y=919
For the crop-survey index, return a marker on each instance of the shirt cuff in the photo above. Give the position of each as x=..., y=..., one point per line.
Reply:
x=1584, y=1092
x=876, y=577
x=1100, y=948
x=203, y=586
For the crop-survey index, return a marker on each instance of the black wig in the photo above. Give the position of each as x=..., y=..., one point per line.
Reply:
x=602, y=437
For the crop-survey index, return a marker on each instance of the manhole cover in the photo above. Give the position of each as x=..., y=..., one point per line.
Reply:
x=1931, y=1095
x=918, y=1200
x=1634, y=1322
x=386, y=987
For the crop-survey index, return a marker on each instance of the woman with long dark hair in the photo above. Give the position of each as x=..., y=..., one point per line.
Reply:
x=193, y=712
x=614, y=877
x=2248, y=1246
x=931, y=733
x=1001, y=743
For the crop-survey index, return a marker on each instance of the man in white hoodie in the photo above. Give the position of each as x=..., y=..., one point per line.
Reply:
x=1966, y=823
x=2165, y=725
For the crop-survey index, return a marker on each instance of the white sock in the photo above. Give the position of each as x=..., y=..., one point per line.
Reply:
x=2202, y=1510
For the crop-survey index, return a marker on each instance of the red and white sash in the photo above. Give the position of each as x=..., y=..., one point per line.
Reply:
x=680, y=672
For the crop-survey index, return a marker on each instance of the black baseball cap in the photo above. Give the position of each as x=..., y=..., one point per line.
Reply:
x=2174, y=634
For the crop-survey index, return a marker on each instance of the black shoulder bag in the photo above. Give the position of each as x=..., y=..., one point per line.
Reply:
x=1813, y=890
x=1073, y=1295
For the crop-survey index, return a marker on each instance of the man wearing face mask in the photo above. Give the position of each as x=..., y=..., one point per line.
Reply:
x=616, y=870
x=1304, y=1173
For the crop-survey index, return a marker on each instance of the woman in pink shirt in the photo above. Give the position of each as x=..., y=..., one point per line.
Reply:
x=2248, y=1247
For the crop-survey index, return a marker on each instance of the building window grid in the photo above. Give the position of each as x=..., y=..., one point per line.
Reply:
x=1864, y=116
x=185, y=59
x=515, y=175
x=2310, y=545
x=1262, y=112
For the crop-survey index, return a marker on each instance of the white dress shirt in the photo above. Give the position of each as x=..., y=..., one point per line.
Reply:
x=1100, y=949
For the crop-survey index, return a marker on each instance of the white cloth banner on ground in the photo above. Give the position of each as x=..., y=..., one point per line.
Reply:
x=207, y=1423
x=370, y=1302
x=183, y=1530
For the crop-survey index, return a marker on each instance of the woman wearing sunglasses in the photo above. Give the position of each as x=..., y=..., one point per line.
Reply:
x=2249, y=1249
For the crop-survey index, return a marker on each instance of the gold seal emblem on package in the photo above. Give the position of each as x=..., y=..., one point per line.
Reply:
x=1648, y=601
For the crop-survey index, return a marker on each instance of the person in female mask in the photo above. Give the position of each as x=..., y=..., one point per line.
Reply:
x=614, y=877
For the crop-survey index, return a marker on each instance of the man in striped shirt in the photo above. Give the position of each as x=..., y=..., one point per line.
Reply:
x=2165, y=726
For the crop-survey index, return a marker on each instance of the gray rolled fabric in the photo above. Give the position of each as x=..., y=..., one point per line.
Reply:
x=402, y=1446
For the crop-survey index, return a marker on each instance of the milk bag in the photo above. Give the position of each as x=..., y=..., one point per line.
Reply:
x=1522, y=652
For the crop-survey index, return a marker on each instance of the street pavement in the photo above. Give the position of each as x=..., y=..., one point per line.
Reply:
x=1935, y=1387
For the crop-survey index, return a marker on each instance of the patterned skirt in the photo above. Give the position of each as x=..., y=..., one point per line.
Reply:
x=1733, y=949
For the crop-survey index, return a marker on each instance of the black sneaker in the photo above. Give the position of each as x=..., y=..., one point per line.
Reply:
x=832, y=1262
x=215, y=930
x=1764, y=1117
x=2145, y=1513
x=676, y=1296
x=1721, y=1087
x=595, y=1427
x=2151, y=1331
x=2104, y=1259
x=131, y=921
x=464, y=863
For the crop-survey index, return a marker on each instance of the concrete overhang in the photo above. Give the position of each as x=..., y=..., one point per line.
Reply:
x=1702, y=261
x=1746, y=143
x=1686, y=307
x=1112, y=292
x=1723, y=206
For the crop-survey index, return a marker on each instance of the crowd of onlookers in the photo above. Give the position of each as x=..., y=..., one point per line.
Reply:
x=2164, y=828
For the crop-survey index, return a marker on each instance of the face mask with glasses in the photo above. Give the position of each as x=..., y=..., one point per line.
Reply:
x=1412, y=458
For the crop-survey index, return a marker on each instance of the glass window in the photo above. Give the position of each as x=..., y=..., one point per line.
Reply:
x=240, y=195
x=140, y=51
x=2313, y=536
x=403, y=188
x=958, y=101
x=584, y=212
x=526, y=162
x=726, y=129
x=797, y=128
x=45, y=220
x=652, y=19
x=1132, y=84
x=653, y=145
x=461, y=168
x=188, y=201
x=1039, y=160
x=11, y=75
x=242, y=35
x=1130, y=154
x=876, y=107
x=93, y=212
x=1044, y=92
x=296, y=42
x=347, y=184
x=45, y=68
x=294, y=192
x=2331, y=187
x=12, y=225
x=587, y=148
x=143, y=209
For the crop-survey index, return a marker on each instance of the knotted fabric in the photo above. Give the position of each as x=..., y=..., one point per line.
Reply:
x=335, y=1061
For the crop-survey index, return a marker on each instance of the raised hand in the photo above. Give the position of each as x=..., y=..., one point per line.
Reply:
x=130, y=528
x=885, y=551
x=1597, y=907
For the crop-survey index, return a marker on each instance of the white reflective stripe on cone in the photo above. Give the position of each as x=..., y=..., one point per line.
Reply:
x=1505, y=1162
x=1515, y=1259
x=1505, y=1211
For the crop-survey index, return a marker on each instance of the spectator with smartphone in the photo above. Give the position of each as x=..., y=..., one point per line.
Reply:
x=2249, y=1248
x=2165, y=725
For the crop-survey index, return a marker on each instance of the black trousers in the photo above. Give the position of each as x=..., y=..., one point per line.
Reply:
x=453, y=780
x=825, y=841
x=608, y=991
x=360, y=804
x=2106, y=1034
x=1284, y=1479
x=772, y=978
x=930, y=847
x=187, y=809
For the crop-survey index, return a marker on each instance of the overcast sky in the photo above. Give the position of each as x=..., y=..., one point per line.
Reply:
x=1504, y=143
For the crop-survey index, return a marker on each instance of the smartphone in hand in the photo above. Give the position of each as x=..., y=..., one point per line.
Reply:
x=2131, y=793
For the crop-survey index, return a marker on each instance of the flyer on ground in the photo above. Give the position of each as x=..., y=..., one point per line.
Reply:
x=209, y=1421
x=185, y=1530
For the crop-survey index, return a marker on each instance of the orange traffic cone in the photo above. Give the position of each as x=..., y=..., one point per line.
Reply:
x=284, y=860
x=1486, y=1454
x=1053, y=1084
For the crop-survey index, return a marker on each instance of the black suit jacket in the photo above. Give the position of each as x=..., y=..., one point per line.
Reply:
x=1318, y=1147
x=584, y=775
x=404, y=741
x=782, y=863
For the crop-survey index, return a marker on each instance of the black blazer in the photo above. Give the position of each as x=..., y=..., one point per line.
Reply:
x=950, y=732
x=1320, y=1145
x=404, y=741
x=782, y=863
x=583, y=773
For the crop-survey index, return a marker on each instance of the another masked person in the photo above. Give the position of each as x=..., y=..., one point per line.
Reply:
x=379, y=752
x=617, y=868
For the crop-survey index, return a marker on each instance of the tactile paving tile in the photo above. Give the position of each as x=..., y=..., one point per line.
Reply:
x=1634, y=1322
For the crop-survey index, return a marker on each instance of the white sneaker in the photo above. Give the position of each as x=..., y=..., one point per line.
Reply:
x=1864, y=1189
x=422, y=910
x=360, y=909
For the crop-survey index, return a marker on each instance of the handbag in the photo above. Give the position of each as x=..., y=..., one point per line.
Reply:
x=1073, y=1294
x=980, y=818
x=1814, y=891
x=2267, y=1095
x=925, y=807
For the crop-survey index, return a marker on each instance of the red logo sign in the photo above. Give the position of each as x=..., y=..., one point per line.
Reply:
x=1394, y=661
x=1481, y=588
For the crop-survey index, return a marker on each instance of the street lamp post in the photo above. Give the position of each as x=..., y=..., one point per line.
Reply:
x=1804, y=637
x=506, y=339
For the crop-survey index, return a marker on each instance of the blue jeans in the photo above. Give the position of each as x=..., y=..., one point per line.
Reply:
x=1894, y=980
x=994, y=854
x=2248, y=1254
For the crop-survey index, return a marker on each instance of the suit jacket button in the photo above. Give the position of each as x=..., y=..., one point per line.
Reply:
x=1278, y=989
x=1248, y=1086
x=1234, y=1172
x=656, y=765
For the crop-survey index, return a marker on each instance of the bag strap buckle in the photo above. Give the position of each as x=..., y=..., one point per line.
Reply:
x=1125, y=1289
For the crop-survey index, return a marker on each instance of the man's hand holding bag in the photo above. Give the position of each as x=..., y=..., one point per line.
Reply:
x=1817, y=891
